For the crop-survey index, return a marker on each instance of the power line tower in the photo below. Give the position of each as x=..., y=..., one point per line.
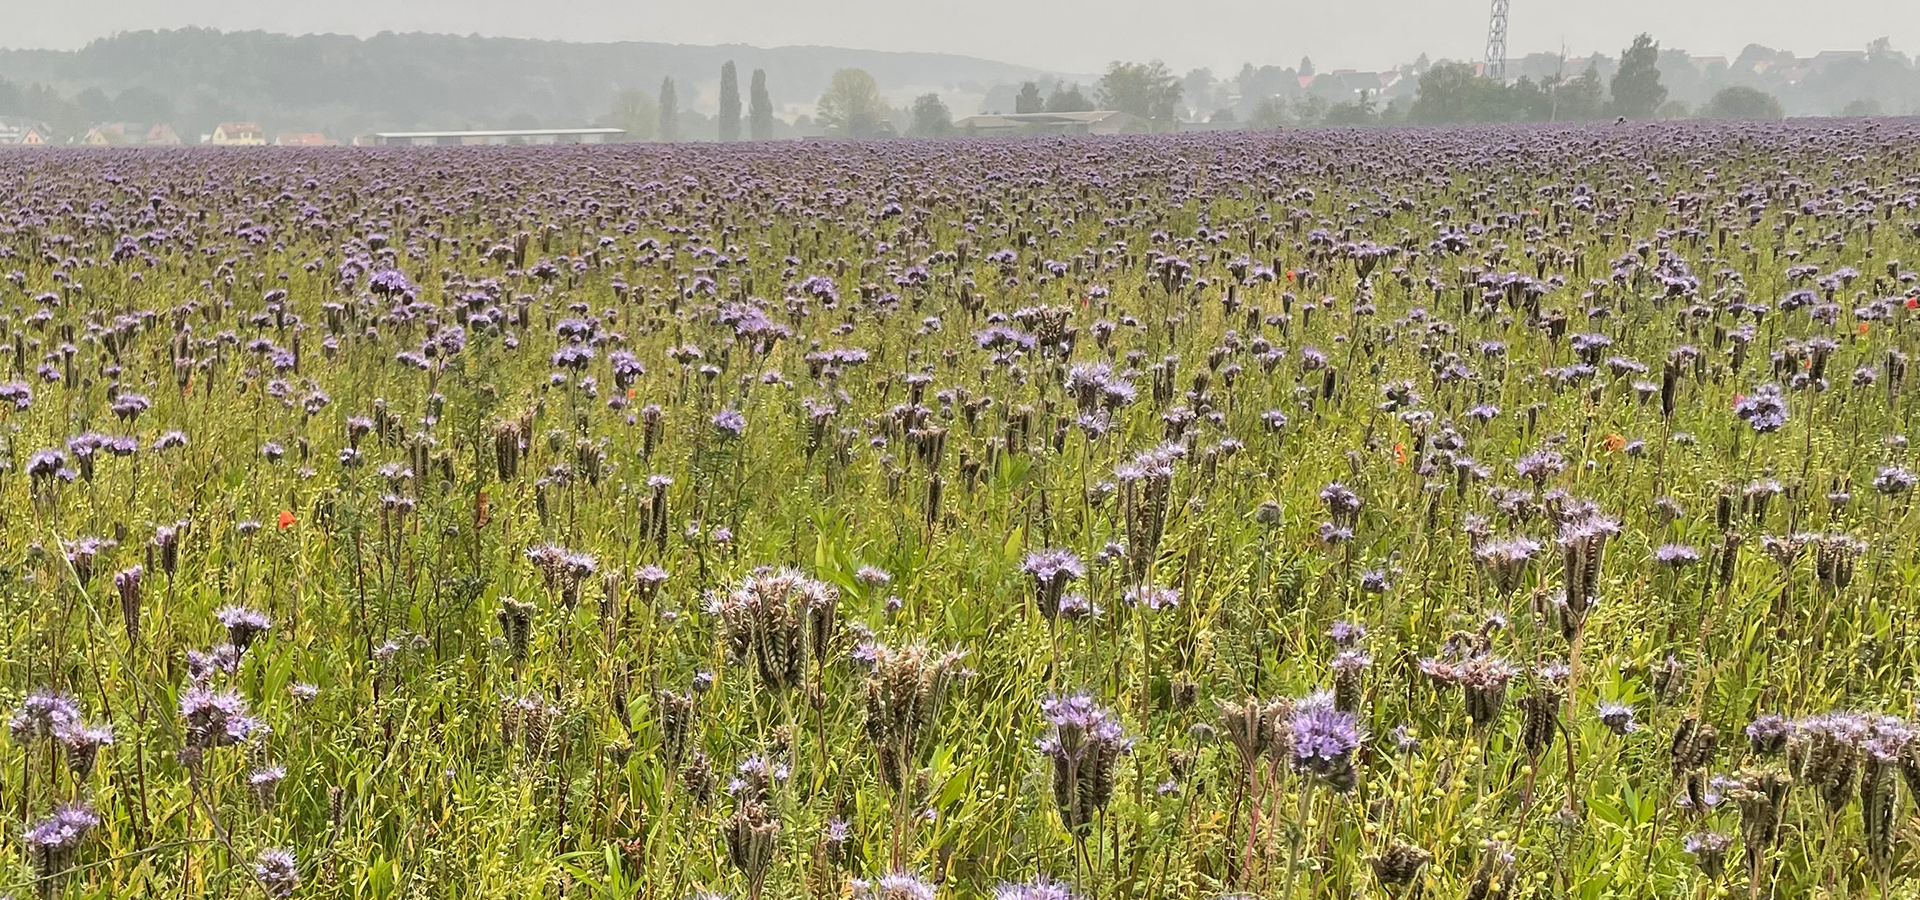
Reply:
x=1497, y=41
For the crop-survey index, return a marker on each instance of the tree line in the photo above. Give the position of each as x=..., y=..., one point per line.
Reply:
x=1645, y=81
x=1148, y=92
x=651, y=117
x=1456, y=92
x=345, y=85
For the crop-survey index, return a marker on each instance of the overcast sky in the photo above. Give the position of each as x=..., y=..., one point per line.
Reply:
x=1058, y=35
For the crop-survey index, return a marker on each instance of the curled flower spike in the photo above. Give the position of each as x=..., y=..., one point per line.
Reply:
x=1085, y=745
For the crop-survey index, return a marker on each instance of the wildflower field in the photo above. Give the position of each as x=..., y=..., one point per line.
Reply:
x=1484, y=513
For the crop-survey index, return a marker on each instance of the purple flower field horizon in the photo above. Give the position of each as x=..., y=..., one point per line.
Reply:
x=1477, y=512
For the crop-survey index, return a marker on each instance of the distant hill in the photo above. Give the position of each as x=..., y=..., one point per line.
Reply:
x=347, y=84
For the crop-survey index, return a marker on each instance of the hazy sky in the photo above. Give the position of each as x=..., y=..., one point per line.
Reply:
x=1060, y=35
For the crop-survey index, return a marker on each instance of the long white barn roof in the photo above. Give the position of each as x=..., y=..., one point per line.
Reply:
x=520, y=132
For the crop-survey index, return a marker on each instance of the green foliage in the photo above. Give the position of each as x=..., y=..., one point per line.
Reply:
x=635, y=111
x=931, y=117
x=669, y=111
x=1068, y=98
x=760, y=109
x=1581, y=98
x=1453, y=92
x=143, y=105
x=1197, y=88
x=1861, y=109
x=1029, y=99
x=1742, y=102
x=1637, y=91
x=1270, y=113
x=1311, y=111
x=1148, y=91
x=851, y=106
x=729, y=118
x=1358, y=112
x=348, y=85
x=1674, y=109
x=451, y=750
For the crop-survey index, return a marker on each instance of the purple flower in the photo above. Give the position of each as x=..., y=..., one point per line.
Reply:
x=19, y=393
x=1153, y=598
x=1341, y=502
x=1334, y=534
x=42, y=715
x=82, y=552
x=649, y=578
x=1618, y=717
x=277, y=871
x=1765, y=410
x=1323, y=739
x=1037, y=889
x=128, y=407
x=265, y=778
x=215, y=719
x=390, y=283
x=222, y=659
x=1051, y=571
x=1892, y=481
x=1405, y=739
x=244, y=625
x=53, y=839
x=1709, y=851
x=45, y=464
x=730, y=423
x=1675, y=556
x=1540, y=466
x=896, y=886
x=572, y=356
x=1075, y=607
x=1085, y=746
x=1767, y=734
x=1507, y=560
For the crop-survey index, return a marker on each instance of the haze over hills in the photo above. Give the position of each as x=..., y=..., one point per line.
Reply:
x=344, y=84
x=158, y=87
x=1073, y=35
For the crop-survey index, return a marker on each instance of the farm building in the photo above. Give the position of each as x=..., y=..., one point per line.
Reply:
x=509, y=136
x=1094, y=122
x=238, y=134
x=123, y=134
x=24, y=133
